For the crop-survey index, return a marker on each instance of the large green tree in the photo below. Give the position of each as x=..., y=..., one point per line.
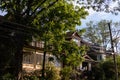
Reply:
x=59, y=24
x=52, y=18
x=23, y=12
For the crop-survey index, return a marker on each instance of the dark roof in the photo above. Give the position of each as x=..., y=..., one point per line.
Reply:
x=88, y=58
x=69, y=35
x=86, y=43
x=93, y=48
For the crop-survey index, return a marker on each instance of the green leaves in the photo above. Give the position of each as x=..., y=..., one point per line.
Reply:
x=57, y=16
x=52, y=19
x=74, y=59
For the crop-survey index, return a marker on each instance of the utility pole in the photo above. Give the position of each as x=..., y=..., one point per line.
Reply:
x=114, y=55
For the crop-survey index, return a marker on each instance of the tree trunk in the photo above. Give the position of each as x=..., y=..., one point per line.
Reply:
x=19, y=41
x=43, y=64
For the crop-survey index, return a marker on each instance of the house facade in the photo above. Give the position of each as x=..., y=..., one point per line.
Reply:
x=33, y=53
x=33, y=56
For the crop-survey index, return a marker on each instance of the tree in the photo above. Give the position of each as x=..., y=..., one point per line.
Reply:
x=23, y=12
x=51, y=18
x=97, y=73
x=100, y=5
x=5, y=62
x=59, y=19
x=108, y=67
x=70, y=57
x=99, y=33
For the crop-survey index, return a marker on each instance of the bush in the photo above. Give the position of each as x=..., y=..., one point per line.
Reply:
x=30, y=78
x=52, y=72
x=8, y=76
x=66, y=73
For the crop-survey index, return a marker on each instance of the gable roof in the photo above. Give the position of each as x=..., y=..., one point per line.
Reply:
x=88, y=58
x=70, y=35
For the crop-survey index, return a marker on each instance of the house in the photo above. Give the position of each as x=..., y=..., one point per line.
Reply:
x=74, y=36
x=96, y=50
x=33, y=53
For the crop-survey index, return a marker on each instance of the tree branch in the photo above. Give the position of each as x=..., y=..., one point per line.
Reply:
x=50, y=5
x=28, y=7
x=38, y=7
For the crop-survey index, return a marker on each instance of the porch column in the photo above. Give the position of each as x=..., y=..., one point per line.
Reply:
x=89, y=66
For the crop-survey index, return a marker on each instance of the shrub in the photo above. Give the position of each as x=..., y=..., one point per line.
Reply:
x=66, y=73
x=52, y=72
x=8, y=76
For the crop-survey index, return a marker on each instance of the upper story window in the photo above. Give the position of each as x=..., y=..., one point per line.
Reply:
x=39, y=44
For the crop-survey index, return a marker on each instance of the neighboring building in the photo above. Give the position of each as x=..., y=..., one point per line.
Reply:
x=98, y=52
x=95, y=51
x=33, y=53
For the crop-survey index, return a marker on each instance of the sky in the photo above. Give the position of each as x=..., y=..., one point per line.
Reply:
x=98, y=16
x=2, y=13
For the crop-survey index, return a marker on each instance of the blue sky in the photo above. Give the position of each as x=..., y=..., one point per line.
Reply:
x=2, y=13
x=97, y=16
